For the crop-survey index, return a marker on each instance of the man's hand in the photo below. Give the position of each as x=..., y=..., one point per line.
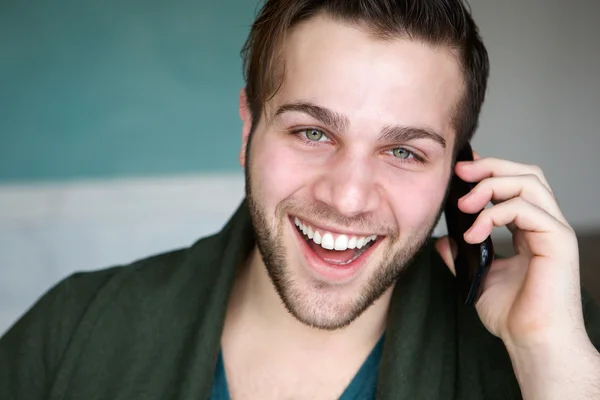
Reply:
x=532, y=301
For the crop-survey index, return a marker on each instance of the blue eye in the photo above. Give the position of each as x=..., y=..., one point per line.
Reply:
x=401, y=153
x=314, y=135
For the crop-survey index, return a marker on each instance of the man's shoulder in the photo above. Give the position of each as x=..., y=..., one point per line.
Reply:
x=130, y=309
x=124, y=285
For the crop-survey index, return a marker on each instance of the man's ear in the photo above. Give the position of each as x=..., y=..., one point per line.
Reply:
x=246, y=118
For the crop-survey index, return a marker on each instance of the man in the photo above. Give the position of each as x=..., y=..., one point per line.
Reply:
x=325, y=283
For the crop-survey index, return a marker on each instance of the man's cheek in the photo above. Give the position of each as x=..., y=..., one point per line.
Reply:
x=277, y=173
x=417, y=206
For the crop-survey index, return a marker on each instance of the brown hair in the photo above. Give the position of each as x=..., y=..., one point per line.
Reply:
x=438, y=22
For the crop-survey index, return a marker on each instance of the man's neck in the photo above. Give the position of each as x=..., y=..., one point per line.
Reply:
x=255, y=302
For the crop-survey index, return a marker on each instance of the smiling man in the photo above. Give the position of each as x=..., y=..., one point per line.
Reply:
x=326, y=283
x=348, y=166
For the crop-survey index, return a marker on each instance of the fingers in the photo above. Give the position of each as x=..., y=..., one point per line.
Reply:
x=500, y=180
x=525, y=216
x=500, y=189
x=478, y=170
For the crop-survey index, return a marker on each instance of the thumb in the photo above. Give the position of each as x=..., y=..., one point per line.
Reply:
x=447, y=249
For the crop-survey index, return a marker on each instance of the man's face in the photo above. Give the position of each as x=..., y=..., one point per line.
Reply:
x=347, y=173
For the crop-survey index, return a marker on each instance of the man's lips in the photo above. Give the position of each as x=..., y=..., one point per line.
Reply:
x=331, y=240
x=333, y=265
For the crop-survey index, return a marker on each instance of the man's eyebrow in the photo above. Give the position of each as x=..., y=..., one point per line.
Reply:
x=337, y=122
x=340, y=123
x=397, y=133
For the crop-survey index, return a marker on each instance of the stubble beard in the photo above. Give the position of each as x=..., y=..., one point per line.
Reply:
x=319, y=309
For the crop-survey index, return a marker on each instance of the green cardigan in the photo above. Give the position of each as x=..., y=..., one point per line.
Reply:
x=152, y=329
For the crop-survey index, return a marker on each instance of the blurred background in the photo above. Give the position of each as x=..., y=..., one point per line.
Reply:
x=119, y=130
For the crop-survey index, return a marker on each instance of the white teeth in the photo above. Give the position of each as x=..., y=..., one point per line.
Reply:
x=360, y=243
x=341, y=243
x=327, y=241
x=317, y=237
x=330, y=242
x=352, y=242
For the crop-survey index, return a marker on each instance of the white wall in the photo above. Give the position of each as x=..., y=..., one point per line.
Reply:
x=49, y=231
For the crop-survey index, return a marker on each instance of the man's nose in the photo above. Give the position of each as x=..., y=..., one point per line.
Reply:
x=349, y=185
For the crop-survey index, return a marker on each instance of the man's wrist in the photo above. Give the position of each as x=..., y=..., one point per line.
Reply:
x=557, y=369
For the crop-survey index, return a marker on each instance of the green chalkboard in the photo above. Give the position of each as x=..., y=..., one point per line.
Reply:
x=105, y=88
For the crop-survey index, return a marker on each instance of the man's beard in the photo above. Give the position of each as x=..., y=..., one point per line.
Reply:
x=321, y=313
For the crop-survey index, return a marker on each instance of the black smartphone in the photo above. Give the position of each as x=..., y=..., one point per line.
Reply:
x=472, y=261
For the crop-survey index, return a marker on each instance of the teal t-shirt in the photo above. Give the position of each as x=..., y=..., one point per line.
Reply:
x=362, y=387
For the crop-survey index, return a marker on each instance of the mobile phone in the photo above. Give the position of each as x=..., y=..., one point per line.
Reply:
x=472, y=261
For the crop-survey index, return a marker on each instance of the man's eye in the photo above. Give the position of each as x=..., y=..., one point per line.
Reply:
x=401, y=153
x=315, y=135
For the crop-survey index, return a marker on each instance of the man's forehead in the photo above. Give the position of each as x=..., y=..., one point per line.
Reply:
x=345, y=69
x=324, y=36
x=336, y=54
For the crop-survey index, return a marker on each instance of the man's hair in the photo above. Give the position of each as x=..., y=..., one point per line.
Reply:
x=437, y=22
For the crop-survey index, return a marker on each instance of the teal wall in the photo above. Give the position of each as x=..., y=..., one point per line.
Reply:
x=104, y=88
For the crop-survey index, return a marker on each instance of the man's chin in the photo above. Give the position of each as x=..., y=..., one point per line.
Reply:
x=325, y=309
x=323, y=305
x=318, y=300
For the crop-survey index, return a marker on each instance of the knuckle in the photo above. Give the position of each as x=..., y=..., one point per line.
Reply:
x=532, y=178
x=570, y=238
x=537, y=171
x=533, y=181
x=570, y=231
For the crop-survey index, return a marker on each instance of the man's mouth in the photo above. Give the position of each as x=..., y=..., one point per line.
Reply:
x=338, y=249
